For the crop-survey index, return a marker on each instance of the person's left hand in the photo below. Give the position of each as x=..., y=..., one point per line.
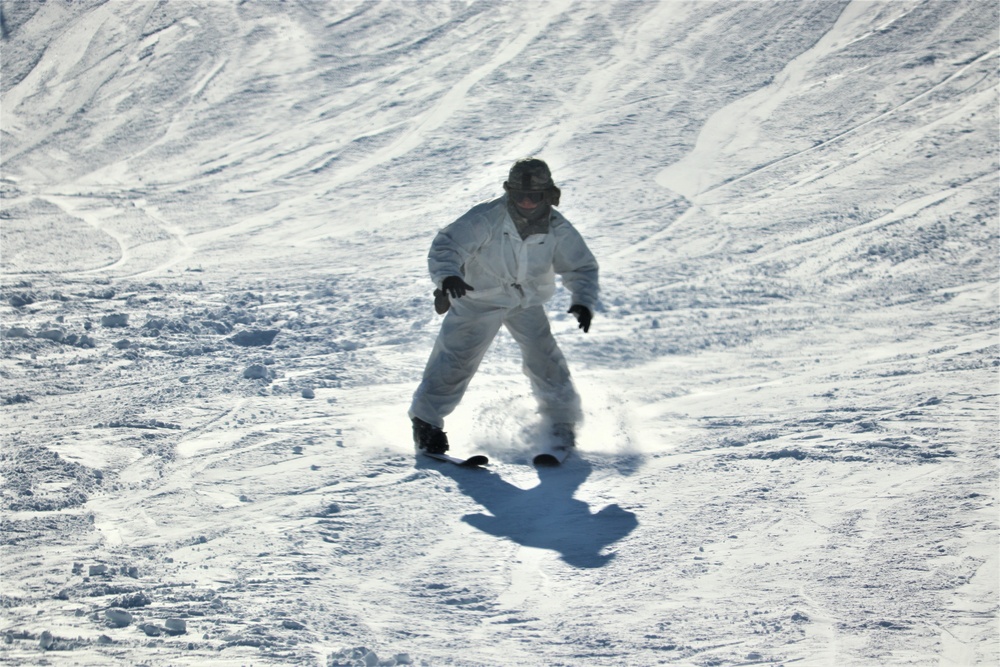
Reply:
x=583, y=316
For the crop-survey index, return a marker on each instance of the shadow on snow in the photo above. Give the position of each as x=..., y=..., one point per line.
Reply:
x=546, y=516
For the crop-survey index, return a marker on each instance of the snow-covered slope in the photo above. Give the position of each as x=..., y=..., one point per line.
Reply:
x=790, y=389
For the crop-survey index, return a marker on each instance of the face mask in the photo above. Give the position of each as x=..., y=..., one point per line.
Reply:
x=530, y=221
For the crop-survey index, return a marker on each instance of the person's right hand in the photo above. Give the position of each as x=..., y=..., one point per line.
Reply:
x=456, y=287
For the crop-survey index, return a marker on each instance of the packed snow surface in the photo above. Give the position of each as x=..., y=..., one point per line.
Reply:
x=215, y=310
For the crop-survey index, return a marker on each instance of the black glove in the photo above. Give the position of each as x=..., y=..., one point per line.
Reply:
x=455, y=287
x=441, y=302
x=583, y=316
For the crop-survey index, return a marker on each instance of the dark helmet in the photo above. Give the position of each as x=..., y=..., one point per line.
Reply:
x=532, y=175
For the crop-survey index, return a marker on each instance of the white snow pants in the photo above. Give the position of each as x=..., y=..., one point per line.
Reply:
x=466, y=334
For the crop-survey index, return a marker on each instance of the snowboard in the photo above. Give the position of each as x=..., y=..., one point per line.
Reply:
x=472, y=462
x=554, y=456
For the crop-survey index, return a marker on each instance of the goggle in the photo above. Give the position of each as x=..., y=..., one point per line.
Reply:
x=534, y=197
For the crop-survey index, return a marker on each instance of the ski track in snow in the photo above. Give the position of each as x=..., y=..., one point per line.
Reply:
x=791, y=395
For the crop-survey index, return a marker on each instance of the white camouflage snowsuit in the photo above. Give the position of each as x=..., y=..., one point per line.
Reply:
x=512, y=278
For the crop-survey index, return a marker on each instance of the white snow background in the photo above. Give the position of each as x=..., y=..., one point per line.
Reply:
x=791, y=387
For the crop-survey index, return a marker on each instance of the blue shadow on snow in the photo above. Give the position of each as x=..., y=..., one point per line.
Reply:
x=546, y=516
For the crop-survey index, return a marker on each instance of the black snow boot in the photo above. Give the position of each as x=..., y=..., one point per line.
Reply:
x=429, y=437
x=563, y=436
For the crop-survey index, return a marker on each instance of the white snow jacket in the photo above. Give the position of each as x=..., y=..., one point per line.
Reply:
x=484, y=248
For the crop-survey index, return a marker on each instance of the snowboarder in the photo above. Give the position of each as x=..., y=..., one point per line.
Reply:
x=496, y=266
